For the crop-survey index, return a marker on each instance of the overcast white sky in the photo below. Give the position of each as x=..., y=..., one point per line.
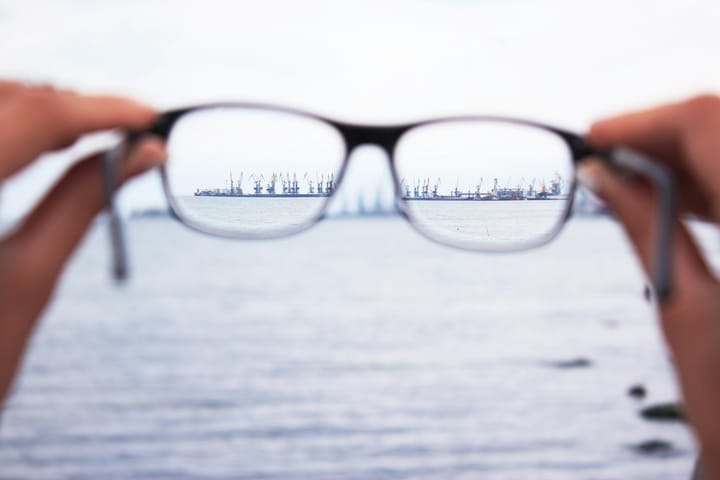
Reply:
x=565, y=62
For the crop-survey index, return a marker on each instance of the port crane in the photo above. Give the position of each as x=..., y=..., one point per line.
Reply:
x=555, y=185
x=457, y=192
x=257, y=183
x=426, y=188
x=531, y=188
x=270, y=189
x=405, y=188
x=289, y=184
x=233, y=189
x=311, y=185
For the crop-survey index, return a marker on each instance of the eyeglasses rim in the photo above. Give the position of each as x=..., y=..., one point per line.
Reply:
x=621, y=158
x=167, y=120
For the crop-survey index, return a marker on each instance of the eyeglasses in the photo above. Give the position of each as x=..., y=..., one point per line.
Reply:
x=491, y=184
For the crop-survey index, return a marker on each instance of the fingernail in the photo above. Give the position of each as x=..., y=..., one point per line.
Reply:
x=588, y=177
x=151, y=152
x=148, y=154
x=147, y=110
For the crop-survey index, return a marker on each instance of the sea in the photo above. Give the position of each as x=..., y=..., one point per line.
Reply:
x=355, y=350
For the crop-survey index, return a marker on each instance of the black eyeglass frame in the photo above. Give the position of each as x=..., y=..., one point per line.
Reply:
x=387, y=137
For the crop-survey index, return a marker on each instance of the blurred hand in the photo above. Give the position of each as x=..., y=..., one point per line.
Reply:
x=34, y=120
x=686, y=137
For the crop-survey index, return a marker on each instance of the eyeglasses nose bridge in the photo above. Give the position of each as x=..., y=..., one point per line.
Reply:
x=386, y=138
x=383, y=137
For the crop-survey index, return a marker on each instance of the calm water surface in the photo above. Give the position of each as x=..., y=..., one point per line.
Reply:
x=357, y=350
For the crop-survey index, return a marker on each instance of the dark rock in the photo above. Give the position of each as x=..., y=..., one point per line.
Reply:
x=654, y=447
x=572, y=363
x=637, y=391
x=610, y=323
x=648, y=293
x=151, y=213
x=664, y=412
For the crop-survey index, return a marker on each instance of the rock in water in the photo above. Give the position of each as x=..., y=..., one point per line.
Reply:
x=654, y=447
x=637, y=391
x=668, y=412
x=573, y=363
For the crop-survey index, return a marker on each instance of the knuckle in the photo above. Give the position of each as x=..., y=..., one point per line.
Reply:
x=12, y=89
x=46, y=109
x=40, y=101
x=596, y=133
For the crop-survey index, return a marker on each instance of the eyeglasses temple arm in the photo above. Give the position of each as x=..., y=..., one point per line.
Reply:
x=110, y=170
x=629, y=160
x=110, y=163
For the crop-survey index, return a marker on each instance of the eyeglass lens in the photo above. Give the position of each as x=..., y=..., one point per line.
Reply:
x=485, y=184
x=251, y=171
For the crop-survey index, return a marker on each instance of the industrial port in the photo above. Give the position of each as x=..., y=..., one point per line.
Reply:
x=287, y=186
x=323, y=186
x=422, y=190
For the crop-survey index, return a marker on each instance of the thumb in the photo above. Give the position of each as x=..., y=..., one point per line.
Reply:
x=41, y=245
x=632, y=201
x=635, y=204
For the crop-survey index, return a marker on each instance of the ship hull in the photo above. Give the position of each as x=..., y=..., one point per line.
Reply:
x=265, y=195
x=482, y=199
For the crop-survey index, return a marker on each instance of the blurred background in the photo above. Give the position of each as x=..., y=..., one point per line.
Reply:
x=357, y=350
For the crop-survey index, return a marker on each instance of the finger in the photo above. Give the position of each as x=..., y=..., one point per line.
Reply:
x=39, y=120
x=7, y=88
x=661, y=131
x=636, y=206
x=42, y=244
x=656, y=131
x=683, y=135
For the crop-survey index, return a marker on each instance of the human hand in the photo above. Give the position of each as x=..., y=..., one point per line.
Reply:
x=686, y=137
x=35, y=120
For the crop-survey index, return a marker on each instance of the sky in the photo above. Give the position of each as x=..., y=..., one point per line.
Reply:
x=563, y=62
